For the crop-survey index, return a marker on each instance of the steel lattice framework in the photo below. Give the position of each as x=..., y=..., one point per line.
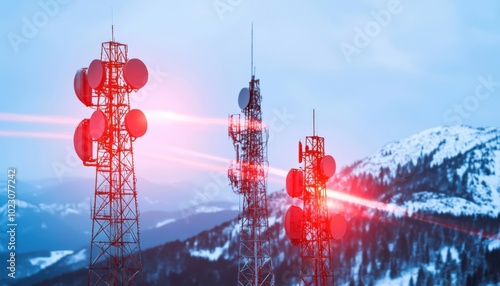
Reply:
x=248, y=177
x=115, y=257
x=315, y=247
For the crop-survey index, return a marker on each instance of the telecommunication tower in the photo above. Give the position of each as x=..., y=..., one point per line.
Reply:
x=311, y=228
x=105, y=141
x=247, y=176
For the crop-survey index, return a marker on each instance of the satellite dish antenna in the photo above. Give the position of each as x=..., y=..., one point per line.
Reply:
x=244, y=98
x=136, y=123
x=328, y=166
x=97, y=125
x=82, y=141
x=82, y=88
x=295, y=183
x=338, y=226
x=135, y=73
x=96, y=74
x=293, y=224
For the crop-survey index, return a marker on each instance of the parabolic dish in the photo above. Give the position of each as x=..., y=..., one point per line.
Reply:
x=82, y=88
x=82, y=141
x=338, y=226
x=293, y=224
x=98, y=123
x=135, y=73
x=328, y=166
x=96, y=74
x=136, y=123
x=295, y=183
x=244, y=98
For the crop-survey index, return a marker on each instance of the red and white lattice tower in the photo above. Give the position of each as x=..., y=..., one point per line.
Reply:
x=248, y=178
x=311, y=228
x=105, y=141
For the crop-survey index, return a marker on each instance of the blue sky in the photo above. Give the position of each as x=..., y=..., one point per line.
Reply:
x=414, y=65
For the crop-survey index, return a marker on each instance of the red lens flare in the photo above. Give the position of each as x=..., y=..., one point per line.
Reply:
x=38, y=119
x=44, y=135
x=166, y=117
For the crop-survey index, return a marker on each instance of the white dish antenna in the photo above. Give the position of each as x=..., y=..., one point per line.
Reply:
x=244, y=98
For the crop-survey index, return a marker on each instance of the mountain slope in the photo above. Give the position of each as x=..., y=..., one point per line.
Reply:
x=442, y=170
x=443, y=178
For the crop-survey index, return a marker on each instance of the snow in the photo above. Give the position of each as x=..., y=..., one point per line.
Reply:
x=447, y=141
x=403, y=280
x=55, y=256
x=77, y=257
x=431, y=268
x=432, y=202
x=208, y=209
x=494, y=244
x=480, y=145
x=69, y=211
x=273, y=219
x=453, y=252
x=23, y=204
x=66, y=209
x=164, y=222
x=210, y=255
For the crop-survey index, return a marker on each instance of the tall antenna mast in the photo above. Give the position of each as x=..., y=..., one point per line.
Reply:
x=312, y=226
x=105, y=141
x=248, y=177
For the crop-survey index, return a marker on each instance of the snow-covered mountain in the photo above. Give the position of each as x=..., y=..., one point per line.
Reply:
x=448, y=169
x=445, y=179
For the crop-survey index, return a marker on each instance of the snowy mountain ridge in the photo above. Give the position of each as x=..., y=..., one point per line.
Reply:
x=446, y=169
x=442, y=142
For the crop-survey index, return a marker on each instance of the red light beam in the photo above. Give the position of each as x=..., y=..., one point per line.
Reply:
x=46, y=135
x=38, y=119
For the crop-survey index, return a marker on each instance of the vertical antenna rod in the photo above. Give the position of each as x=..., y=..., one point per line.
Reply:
x=251, y=56
x=314, y=123
x=112, y=25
